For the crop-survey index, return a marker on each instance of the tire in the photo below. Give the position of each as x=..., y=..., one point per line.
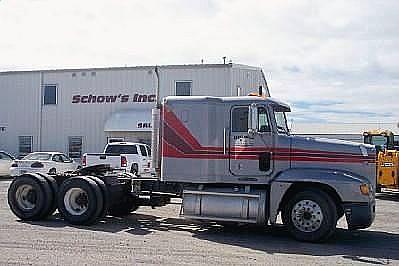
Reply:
x=311, y=216
x=125, y=207
x=80, y=201
x=30, y=197
x=105, y=194
x=134, y=169
x=54, y=191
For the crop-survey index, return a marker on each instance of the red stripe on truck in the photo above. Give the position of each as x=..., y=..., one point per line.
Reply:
x=178, y=142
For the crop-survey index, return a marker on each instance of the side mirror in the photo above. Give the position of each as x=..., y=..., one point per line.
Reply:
x=252, y=119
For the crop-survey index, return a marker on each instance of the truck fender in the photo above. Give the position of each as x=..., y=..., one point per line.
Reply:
x=346, y=185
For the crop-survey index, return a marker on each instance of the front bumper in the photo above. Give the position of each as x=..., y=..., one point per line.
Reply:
x=359, y=215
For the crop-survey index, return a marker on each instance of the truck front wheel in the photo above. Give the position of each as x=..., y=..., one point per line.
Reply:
x=311, y=216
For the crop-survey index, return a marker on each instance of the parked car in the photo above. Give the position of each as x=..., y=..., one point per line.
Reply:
x=6, y=161
x=43, y=162
x=127, y=156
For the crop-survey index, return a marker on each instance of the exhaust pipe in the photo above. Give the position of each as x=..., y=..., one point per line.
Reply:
x=155, y=137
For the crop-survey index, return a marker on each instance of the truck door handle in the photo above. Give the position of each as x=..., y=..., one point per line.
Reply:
x=264, y=161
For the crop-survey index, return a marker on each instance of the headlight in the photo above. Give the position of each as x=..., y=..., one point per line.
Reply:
x=365, y=189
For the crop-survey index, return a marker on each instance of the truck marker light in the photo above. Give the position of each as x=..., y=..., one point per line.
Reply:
x=364, y=189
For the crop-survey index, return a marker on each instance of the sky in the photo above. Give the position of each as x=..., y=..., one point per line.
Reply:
x=332, y=61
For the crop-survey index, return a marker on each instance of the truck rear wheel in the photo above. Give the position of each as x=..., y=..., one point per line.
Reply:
x=311, y=216
x=80, y=201
x=54, y=191
x=30, y=197
x=105, y=194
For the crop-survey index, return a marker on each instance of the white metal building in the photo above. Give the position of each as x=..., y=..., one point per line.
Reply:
x=80, y=110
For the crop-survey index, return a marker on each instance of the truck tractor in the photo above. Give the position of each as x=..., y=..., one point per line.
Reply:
x=387, y=159
x=229, y=159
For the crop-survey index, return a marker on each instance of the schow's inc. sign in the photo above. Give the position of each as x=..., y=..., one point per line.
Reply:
x=116, y=98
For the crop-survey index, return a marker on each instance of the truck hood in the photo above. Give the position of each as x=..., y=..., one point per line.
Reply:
x=356, y=158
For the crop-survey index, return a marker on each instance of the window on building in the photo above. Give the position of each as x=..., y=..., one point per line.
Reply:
x=50, y=94
x=183, y=88
x=240, y=119
x=25, y=145
x=75, y=145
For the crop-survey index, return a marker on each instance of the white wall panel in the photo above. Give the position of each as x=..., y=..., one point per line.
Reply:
x=19, y=108
x=20, y=101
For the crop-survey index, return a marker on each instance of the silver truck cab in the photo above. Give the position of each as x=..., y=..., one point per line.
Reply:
x=240, y=163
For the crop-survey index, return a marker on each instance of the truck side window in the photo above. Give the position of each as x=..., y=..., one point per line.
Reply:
x=239, y=119
x=281, y=122
x=263, y=121
x=143, y=150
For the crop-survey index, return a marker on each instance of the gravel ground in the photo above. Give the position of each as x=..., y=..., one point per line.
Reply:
x=159, y=236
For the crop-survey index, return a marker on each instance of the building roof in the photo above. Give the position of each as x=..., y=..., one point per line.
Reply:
x=229, y=65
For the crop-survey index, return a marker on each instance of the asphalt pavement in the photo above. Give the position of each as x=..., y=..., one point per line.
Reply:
x=160, y=236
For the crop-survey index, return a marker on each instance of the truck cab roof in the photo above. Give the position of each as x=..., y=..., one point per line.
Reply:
x=281, y=106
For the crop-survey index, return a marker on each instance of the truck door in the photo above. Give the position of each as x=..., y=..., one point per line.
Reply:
x=250, y=154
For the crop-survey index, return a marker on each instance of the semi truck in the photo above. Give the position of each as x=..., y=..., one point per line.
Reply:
x=229, y=159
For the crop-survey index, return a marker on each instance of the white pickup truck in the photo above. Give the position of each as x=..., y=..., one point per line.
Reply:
x=127, y=156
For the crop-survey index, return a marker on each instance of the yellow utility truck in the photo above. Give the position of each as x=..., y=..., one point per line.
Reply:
x=387, y=159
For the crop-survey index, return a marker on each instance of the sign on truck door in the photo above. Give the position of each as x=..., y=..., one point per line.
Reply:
x=250, y=154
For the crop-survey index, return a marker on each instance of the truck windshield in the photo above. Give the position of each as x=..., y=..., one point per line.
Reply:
x=121, y=149
x=281, y=122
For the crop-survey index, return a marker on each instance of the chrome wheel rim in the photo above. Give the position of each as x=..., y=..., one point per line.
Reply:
x=26, y=197
x=76, y=201
x=307, y=216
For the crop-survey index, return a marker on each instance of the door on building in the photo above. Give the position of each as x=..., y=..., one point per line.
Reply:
x=250, y=154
